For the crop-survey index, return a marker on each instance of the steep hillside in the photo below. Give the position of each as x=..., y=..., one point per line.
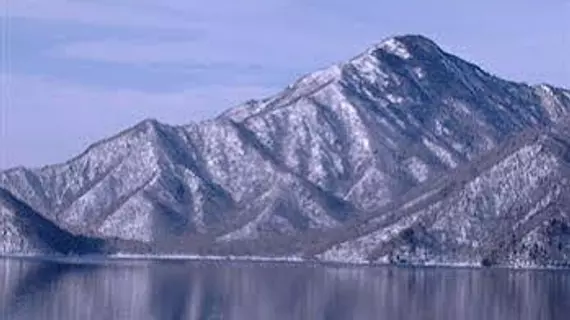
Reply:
x=510, y=208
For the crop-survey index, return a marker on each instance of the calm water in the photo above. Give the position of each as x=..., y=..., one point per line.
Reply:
x=200, y=290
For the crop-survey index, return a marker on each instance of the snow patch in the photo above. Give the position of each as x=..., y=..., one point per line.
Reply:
x=321, y=76
x=368, y=68
x=458, y=147
x=418, y=169
x=440, y=152
x=461, y=106
x=439, y=128
x=396, y=48
x=419, y=72
x=394, y=99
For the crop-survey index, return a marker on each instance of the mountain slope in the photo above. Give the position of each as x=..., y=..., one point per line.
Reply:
x=338, y=145
x=509, y=207
x=25, y=231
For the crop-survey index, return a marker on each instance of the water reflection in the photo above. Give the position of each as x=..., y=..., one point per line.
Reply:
x=191, y=290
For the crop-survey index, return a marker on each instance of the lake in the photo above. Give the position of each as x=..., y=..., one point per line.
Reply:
x=35, y=289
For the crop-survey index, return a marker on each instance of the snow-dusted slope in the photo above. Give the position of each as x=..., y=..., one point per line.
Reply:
x=26, y=232
x=509, y=207
x=15, y=236
x=337, y=145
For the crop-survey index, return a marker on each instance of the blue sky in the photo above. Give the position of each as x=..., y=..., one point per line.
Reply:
x=75, y=71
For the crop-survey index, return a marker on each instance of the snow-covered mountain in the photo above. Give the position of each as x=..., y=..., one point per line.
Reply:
x=293, y=173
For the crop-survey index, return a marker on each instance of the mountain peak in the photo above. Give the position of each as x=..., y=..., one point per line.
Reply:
x=414, y=39
x=405, y=46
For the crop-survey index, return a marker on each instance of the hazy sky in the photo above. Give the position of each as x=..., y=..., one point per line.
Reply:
x=77, y=71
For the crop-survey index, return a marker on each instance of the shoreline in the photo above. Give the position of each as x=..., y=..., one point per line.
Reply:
x=99, y=259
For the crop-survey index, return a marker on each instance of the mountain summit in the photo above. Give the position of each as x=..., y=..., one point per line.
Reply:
x=304, y=172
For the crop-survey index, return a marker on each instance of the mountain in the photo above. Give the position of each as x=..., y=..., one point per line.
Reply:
x=298, y=172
